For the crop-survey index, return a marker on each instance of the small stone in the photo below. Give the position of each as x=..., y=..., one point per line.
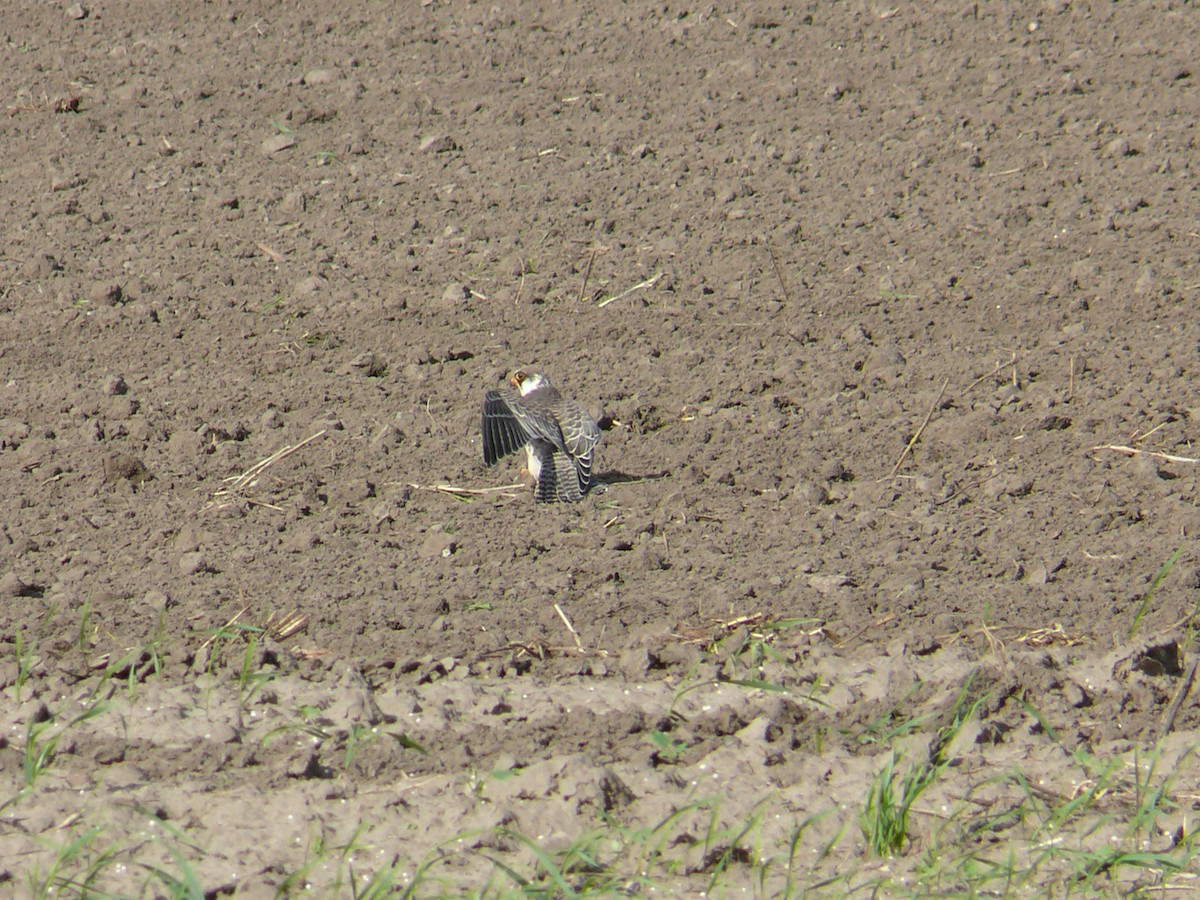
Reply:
x=300, y=541
x=65, y=182
x=833, y=470
x=828, y=584
x=307, y=286
x=319, y=76
x=1075, y=695
x=931, y=484
x=277, y=144
x=120, y=409
x=437, y=143
x=193, y=563
x=223, y=200
x=39, y=266
x=1117, y=147
x=77, y=12
x=438, y=544
x=635, y=663
x=185, y=445
x=810, y=493
x=294, y=202
x=109, y=752
x=223, y=733
x=455, y=293
x=124, y=467
x=1146, y=282
x=115, y=386
x=370, y=364
x=157, y=600
x=23, y=546
x=856, y=334
x=302, y=762
x=106, y=293
x=133, y=92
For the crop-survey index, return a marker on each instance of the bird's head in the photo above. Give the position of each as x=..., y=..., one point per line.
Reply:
x=525, y=381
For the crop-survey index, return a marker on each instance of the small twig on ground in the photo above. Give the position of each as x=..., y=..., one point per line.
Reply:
x=239, y=483
x=519, y=648
x=876, y=624
x=1134, y=451
x=996, y=371
x=1185, y=688
x=587, y=273
x=1137, y=437
x=787, y=297
x=571, y=628
x=250, y=501
x=274, y=254
x=649, y=282
x=917, y=436
x=436, y=423
x=452, y=489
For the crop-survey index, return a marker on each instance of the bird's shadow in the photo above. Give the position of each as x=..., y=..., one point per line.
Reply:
x=607, y=479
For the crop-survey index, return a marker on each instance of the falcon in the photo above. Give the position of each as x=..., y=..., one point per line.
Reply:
x=558, y=435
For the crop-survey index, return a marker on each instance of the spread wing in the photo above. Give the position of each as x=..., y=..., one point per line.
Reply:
x=510, y=422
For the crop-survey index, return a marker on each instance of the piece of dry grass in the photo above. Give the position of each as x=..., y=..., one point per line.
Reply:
x=587, y=272
x=468, y=492
x=282, y=626
x=1185, y=688
x=917, y=434
x=571, y=628
x=239, y=484
x=1000, y=366
x=787, y=296
x=1153, y=454
x=641, y=285
x=1054, y=635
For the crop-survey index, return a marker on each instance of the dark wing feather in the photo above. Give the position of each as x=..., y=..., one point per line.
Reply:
x=502, y=429
x=536, y=413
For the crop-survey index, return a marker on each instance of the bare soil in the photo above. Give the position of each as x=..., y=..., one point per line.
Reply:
x=856, y=292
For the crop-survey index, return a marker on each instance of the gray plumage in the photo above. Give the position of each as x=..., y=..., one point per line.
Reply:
x=558, y=435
